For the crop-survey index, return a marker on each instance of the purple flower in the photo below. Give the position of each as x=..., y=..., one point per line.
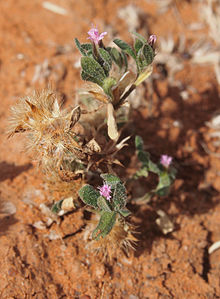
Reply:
x=95, y=36
x=166, y=160
x=105, y=191
x=152, y=39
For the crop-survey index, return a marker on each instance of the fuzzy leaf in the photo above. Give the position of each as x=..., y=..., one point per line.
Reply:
x=87, y=77
x=117, y=57
x=105, y=225
x=153, y=167
x=103, y=204
x=144, y=157
x=57, y=206
x=125, y=212
x=125, y=60
x=80, y=48
x=144, y=75
x=139, y=144
x=93, y=69
x=138, y=45
x=106, y=58
x=164, y=183
x=143, y=172
x=148, y=54
x=140, y=37
x=110, y=179
x=89, y=195
x=119, y=197
x=125, y=47
x=87, y=47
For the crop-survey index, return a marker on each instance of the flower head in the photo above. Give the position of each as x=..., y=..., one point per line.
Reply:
x=95, y=36
x=166, y=160
x=152, y=39
x=105, y=191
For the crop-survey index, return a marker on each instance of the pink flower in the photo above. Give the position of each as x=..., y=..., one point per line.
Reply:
x=105, y=191
x=152, y=39
x=95, y=36
x=166, y=160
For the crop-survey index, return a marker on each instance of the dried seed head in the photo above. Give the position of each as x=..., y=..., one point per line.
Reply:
x=120, y=238
x=49, y=128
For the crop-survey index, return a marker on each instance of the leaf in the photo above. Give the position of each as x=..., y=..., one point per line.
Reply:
x=105, y=225
x=89, y=195
x=87, y=77
x=119, y=197
x=144, y=75
x=103, y=204
x=80, y=48
x=148, y=54
x=87, y=47
x=143, y=172
x=140, y=37
x=143, y=157
x=138, y=45
x=139, y=144
x=110, y=179
x=111, y=123
x=57, y=206
x=125, y=212
x=163, y=186
x=106, y=57
x=153, y=167
x=125, y=47
x=93, y=69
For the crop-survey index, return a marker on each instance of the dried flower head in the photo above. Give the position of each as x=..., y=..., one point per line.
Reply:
x=94, y=35
x=105, y=191
x=49, y=130
x=120, y=238
x=166, y=160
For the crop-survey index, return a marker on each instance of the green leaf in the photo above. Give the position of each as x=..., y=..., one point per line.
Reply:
x=117, y=57
x=110, y=179
x=106, y=58
x=80, y=48
x=119, y=197
x=89, y=195
x=138, y=45
x=103, y=204
x=105, y=225
x=163, y=191
x=143, y=172
x=125, y=47
x=57, y=206
x=140, y=37
x=153, y=167
x=86, y=77
x=144, y=157
x=164, y=181
x=108, y=84
x=125, y=61
x=93, y=69
x=125, y=212
x=87, y=47
x=139, y=144
x=148, y=54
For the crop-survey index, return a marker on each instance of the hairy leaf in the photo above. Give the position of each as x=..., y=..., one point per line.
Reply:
x=105, y=225
x=125, y=47
x=110, y=179
x=89, y=195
